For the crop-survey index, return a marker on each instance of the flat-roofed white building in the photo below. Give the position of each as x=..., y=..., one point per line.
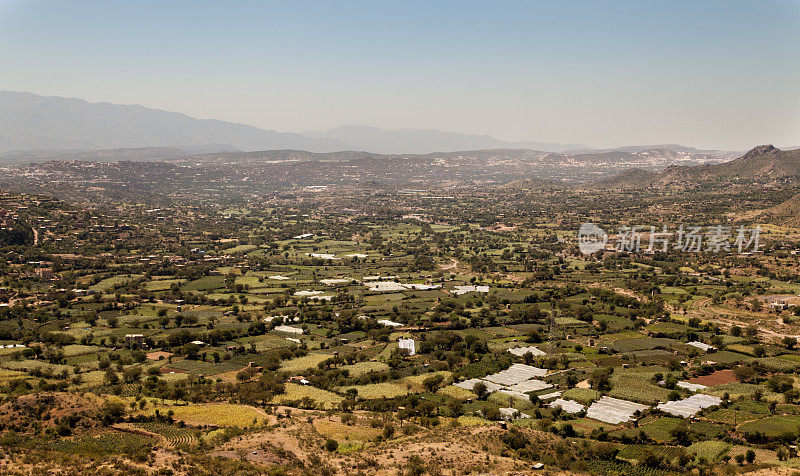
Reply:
x=407, y=344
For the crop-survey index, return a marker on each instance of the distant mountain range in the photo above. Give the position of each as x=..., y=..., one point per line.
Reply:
x=423, y=141
x=31, y=122
x=54, y=124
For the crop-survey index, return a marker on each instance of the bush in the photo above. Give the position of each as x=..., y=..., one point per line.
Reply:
x=331, y=445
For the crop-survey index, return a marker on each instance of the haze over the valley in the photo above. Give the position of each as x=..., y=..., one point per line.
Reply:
x=30, y=122
x=537, y=75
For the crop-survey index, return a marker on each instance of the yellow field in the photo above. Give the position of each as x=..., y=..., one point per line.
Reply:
x=396, y=388
x=456, y=392
x=219, y=414
x=299, y=364
x=295, y=392
x=416, y=380
x=380, y=390
x=465, y=420
x=6, y=375
x=162, y=284
x=362, y=368
x=78, y=349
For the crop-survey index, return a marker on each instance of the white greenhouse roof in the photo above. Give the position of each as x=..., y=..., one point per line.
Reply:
x=568, y=406
x=689, y=407
x=515, y=374
x=520, y=351
x=613, y=410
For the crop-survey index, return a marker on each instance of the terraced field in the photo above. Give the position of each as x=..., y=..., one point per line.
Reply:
x=173, y=435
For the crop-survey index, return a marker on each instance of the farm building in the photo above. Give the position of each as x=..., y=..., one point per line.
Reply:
x=134, y=339
x=407, y=344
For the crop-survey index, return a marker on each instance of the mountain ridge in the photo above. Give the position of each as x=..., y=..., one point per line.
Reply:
x=762, y=163
x=30, y=123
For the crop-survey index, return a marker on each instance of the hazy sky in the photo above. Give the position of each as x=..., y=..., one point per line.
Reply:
x=720, y=74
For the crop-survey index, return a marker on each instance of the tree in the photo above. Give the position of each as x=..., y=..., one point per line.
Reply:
x=781, y=453
x=480, y=390
x=790, y=342
x=415, y=466
x=432, y=383
x=750, y=456
x=681, y=435
x=111, y=377
x=780, y=383
x=533, y=398
x=758, y=394
x=791, y=395
x=600, y=379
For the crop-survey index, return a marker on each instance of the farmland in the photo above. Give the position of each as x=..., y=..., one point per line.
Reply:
x=288, y=335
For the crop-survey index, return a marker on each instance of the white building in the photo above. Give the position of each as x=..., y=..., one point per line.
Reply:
x=407, y=344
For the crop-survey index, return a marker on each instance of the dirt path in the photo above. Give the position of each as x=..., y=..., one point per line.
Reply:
x=446, y=267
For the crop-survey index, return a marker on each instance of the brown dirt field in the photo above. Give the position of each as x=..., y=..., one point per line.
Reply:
x=454, y=450
x=719, y=377
x=48, y=407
